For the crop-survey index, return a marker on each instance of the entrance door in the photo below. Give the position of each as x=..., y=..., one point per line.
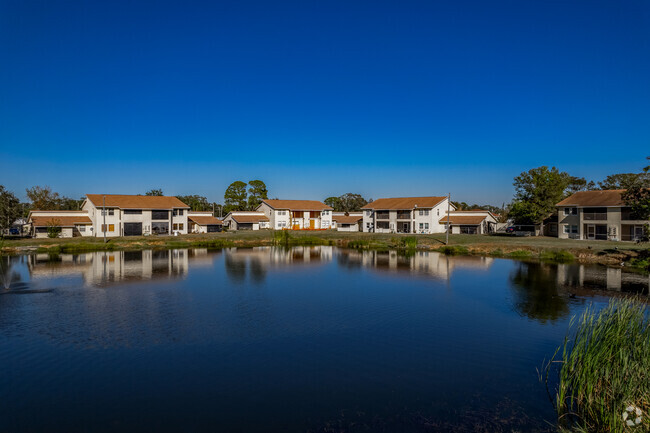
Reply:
x=312, y=224
x=638, y=233
x=591, y=231
x=132, y=229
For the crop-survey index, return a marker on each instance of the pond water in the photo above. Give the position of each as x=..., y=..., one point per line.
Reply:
x=309, y=339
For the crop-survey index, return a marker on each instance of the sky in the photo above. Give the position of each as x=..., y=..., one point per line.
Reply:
x=320, y=98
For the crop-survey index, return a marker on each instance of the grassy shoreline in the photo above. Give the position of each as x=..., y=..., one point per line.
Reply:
x=522, y=248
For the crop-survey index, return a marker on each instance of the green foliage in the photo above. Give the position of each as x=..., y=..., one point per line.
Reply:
x=281, y=237
x=348, y=202
x=560, y=256
x=637, y=196
x=154, y=192
x=625, y=181
x=196, y=202
x=520, y=254
x=408, y=242
x=453, y=250
x=604, y=369
x=53, y=228
x=10, y=208
x=537, y=191
x=256, y=193
x=43, y=198
x=235, y=197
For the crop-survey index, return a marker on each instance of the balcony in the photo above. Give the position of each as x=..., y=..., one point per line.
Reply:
x=382, y=215
x=403, y=215
x=594, y=216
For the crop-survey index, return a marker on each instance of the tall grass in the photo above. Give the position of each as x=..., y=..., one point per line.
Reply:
x=604, y=369
x=408, y=242
x=557, y=256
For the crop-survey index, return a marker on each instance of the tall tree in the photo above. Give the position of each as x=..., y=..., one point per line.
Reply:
x=256, y=193
x=637, y=197
x=580, y=184
x=195, y=202
x=334, y=203
x=352, y=202
x=154, y=192
x=10, y=208
x=625, y=181
x=43, y=198
x=536, y=193
x=235, y=197
x=67, y=203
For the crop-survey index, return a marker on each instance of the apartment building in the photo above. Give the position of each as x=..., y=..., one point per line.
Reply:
x=297, y=214
x=598, y=215
x=246, y=220
x=203, y=222
x=406, y=215
x=473, y=222
x=70, y=222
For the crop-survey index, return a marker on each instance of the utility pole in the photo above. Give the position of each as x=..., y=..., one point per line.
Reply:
x=448, y=217
x=104, y=214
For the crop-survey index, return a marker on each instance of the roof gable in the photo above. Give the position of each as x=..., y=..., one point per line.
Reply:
x=297, y=205
x=610, y=197
x=136, y=201
x=397, y=203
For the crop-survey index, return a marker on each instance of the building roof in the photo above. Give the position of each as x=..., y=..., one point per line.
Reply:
x=203, y=220
x=470, y=220
x=248, y=218
x=297, y=204
x=61, y=221
x=347, y=219
x=404, y=203
x=136, y=201
x=610, y=197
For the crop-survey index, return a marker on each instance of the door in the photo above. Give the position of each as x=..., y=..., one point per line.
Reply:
x=132, y=229
x=638, y=233
x=591, y=231
x=312, y=224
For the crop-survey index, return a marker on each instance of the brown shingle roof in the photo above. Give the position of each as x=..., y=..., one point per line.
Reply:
x=136, y=201
x=611, y=197
x=61, y=221
x=404, y=203
x=298, y=204
x=203, y=220
x=249, y=218
x=470, y=220
x=347, y=219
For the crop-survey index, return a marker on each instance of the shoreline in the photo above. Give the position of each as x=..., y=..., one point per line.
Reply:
x=608, y=253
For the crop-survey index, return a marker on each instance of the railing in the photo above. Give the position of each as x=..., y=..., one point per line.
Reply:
x=382, y=216
x=404, y=216
x=595, y=216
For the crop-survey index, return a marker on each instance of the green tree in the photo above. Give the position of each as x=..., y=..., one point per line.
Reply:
x=256, y=193
x=67, y=203
x=579, y=184
x=196, y=202
x=334, y=203
x=536, y=193
x=352, y=202
x=53, y=228
x=235, y=197
x=625, y=181
x=637, y=197
x=10, y=208
x=154, y=192
x=43, y=198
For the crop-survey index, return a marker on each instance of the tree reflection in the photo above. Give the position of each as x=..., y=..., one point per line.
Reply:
x=535, y=292
x=7, y=274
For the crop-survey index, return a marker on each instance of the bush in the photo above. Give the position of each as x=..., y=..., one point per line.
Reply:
x=560, y=256
x=408, y=242
x=520, y=254
x=453, y=250
x=53, y=229
x=604, y=369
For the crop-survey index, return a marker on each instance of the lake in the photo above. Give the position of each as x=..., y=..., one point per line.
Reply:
x=308, y=339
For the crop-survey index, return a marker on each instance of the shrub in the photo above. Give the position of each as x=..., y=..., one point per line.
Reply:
x=408, y=242
x=453, y=250
x=560, y=256
x=603, y=369
x=520, y=254
x=53, y=228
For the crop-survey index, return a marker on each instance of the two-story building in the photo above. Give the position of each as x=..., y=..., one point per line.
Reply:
x=297, y=214
x=598, y=215
x=406, y=215
x=135, y=215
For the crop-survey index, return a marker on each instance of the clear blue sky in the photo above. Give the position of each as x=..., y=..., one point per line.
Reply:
x=319, y=98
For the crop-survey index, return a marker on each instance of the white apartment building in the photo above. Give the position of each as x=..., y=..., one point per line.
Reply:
x=297, y=214
x=246, y=220
x=406, y=215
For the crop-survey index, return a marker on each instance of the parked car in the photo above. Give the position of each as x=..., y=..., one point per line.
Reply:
x=14, y=231
x=511, y=229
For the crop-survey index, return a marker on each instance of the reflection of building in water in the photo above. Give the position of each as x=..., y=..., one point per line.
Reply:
x=104, y=267
x=597, y=278
x=256, y=261
x=420, y=262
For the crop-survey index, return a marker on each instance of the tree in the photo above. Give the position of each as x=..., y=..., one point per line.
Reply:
x=256, y=193
x=637, y=197
x=334, y=203
x=10, y=208
x=196, y=202
x=536, y=193
x=42, y=198
x=352, y=202
x=580, y=184
x=235, y=197
x=53, y=228
x=625, y=181
x=154, y=192
x=67, y=203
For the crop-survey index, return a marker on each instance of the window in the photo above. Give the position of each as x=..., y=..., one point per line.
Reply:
x=111, y=227
x=180, y=226
x=421, y=225
x=574, y=229
x=570, y=211
x=159, y=214
x=132, y=211
x=174, y=226
x=424, y=212
x=82, y=228
x=110, y=212
x=426, y=226
x=570, y=229
x=177, y=212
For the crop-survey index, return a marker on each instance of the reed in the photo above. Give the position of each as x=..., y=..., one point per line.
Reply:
x=604, y=370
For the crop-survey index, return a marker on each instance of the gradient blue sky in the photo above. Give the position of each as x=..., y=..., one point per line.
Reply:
x=319, y=98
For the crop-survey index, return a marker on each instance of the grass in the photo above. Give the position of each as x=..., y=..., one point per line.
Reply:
x=520, y=254
x=604, y=369
x=453, y=250
x=556, y=256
